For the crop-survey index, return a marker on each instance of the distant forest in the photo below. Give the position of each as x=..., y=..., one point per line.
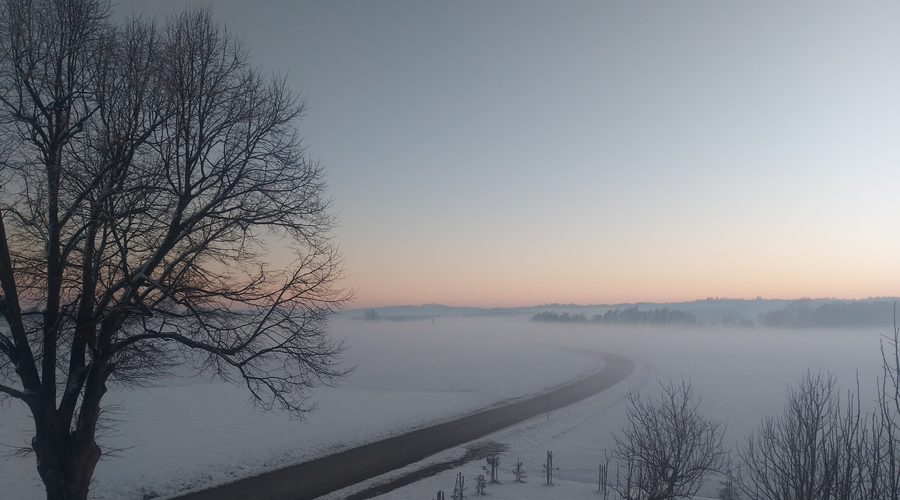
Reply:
x=800, y=314
x=627, y=316
x=767, y=313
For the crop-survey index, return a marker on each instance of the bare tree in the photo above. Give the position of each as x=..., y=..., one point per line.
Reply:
x=494, y=470
x=459, y=489
x=818, y=450
x=146, y=173
x=883, y=452
x=480, y=484
x=813, y=450
x=667, y=448
x=519, y=472
x=548, y=468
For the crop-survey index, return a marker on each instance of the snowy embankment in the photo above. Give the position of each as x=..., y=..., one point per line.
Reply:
x=189, y=433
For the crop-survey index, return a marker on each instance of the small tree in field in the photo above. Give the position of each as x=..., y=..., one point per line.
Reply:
x=494, y=470
x=519, y=472
x=548, y=468
x=145, y=173
x=480, y=484
x=459, y=489
x=667, y=448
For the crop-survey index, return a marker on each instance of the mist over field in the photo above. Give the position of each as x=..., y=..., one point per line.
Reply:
x=416, y=373
x=772, y=313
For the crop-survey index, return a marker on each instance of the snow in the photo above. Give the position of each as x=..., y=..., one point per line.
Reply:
x=189, y=432
x=741, y=376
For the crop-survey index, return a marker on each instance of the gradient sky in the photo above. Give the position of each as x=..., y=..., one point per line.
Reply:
x=512, y=153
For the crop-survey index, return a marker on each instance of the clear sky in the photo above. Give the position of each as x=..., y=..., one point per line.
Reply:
x=504, y=153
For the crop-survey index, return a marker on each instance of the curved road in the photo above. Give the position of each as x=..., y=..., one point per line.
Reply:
x=324, y=475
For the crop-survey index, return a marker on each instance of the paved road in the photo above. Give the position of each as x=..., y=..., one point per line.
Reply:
x=324, y=475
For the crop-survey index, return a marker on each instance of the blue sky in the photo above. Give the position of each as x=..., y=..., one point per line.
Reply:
x=515, y=153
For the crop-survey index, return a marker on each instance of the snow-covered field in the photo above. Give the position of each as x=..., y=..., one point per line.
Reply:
x=740, y=374
x=190, y=433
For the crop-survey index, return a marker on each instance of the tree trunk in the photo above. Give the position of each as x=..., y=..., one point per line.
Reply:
x=66, y=474
x=66, y=458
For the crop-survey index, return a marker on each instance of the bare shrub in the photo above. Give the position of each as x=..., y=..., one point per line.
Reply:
x=667, y=448
x=813, y=450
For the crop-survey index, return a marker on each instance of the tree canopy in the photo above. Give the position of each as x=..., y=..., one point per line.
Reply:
x=147, y=171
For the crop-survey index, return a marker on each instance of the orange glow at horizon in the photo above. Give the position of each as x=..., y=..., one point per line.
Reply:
x=626, y=282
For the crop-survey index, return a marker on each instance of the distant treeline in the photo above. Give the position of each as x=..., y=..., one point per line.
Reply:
x=372, y=315
x=833, y=314
x=552, y=317
x=627, y=316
